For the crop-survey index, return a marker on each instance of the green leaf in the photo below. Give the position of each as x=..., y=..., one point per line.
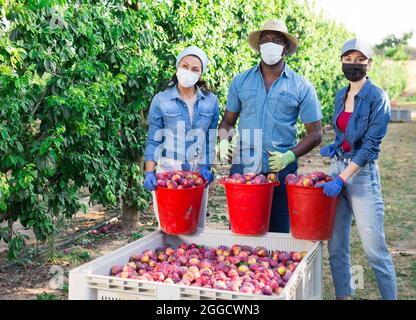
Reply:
x=44, y=147
x=3, y=206
x=19, y=147
x=4, y=133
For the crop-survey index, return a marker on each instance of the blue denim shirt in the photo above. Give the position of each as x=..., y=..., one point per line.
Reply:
x=169, y=121
x=367, y=125
x=274, y=113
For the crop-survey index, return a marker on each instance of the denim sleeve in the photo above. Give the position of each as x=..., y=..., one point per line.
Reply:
x=310, y=108
x=377, y=128
x=155, y=122
x=233, y=102
x=211, y=137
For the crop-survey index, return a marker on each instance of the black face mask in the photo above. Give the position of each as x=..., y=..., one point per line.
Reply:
x=354, y=72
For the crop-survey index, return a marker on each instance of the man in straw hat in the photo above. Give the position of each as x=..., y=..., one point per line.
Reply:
x=268, y=99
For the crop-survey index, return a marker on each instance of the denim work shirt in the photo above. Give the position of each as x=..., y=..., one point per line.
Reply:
x=273, y=114
x=172, y=135
x=367, y=125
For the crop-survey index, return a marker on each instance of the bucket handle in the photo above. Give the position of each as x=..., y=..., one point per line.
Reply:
x=221, y=181
x=276, y=183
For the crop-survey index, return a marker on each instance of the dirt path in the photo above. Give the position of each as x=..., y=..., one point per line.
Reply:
x=80, y=221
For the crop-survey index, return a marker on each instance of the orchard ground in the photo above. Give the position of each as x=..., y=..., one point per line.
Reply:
x=33, y=277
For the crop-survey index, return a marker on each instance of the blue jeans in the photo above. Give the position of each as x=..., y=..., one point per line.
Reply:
x=362, y=198
x=279, y=217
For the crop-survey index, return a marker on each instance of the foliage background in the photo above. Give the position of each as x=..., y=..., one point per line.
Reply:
x=77, y=78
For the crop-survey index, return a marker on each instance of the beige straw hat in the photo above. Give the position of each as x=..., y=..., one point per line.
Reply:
x=273, y=25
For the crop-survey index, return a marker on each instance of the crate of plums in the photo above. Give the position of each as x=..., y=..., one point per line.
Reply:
x=207, y=265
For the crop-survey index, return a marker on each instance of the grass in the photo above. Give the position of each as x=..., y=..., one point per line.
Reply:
x=65, y=288
x=398, y=173
x=136, y=235
x=413, y=275
x=73, y=257
x=47, y=296
x=218, y=218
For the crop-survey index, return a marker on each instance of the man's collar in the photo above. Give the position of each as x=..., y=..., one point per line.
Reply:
x=286, y=70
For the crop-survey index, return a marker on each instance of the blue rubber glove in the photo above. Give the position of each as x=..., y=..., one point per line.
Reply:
x=333, y=188
x=150, y=182
x=328, y=151
x=207, y=174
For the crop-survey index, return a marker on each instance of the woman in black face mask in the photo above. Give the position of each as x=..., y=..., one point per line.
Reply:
x=362, y=113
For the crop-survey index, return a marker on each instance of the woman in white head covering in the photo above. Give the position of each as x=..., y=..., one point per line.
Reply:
x=182, y=123
x=362, y=113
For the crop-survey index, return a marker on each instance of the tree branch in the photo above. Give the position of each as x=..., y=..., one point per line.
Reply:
x=39, y=102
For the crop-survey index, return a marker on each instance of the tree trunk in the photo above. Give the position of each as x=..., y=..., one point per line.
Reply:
x=129, y=217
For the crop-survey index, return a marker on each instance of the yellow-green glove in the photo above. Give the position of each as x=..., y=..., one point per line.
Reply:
x=226, y=148
x=278, y=161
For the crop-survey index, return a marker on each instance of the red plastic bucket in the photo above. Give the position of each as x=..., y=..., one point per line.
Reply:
x=179, y=209
x=311, y=212
x=249, y=207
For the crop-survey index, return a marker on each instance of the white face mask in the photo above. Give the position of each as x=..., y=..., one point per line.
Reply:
x=187, y=78
x=271, y=53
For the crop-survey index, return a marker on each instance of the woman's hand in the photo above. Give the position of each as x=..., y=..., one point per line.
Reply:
x=333, y=188
x=207, y=174
x=150, y=182
x=328, y=151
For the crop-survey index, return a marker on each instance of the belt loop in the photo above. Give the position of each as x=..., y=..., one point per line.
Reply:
x=343, y=160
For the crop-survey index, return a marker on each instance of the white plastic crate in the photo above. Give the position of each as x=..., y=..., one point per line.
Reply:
x=92, y=282
x=401, y=115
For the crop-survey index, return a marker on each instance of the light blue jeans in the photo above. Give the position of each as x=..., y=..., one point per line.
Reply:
x=362, y=198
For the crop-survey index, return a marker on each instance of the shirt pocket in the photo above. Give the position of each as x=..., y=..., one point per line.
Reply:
x=171, y=116
x=283, y=109
x=363, y=123
x=284, y=112
x=287, y=104
x=248, y=101
x=205, y=119
x=361, y=127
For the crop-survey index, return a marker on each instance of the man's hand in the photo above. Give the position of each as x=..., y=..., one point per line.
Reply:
x=278, y=161
x=226, y=125
x=227, y=148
